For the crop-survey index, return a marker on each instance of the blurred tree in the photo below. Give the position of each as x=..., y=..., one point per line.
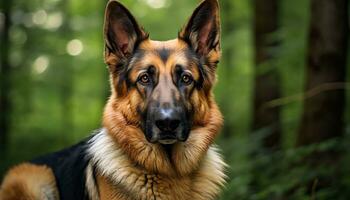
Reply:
x=66, y=72
x=324, y=105
x=266, y=77
x=227, y=30
x=5, y=76
x=326, y=65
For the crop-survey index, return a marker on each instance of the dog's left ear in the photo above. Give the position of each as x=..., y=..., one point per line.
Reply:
x=202, y=31
x=121, y=32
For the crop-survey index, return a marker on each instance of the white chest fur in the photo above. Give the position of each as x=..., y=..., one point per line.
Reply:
x=136, y=183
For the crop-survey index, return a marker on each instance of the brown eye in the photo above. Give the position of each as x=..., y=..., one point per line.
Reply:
x=144, y=79
x=186, y=79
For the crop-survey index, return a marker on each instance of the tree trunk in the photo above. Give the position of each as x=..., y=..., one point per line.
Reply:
x=5, y=77
x=266, y=78
x=67, y=77
x=227, y=29
x=326, y=63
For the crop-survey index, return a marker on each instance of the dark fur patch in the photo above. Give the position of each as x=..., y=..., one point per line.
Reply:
x=164, y=54
x=68, y=166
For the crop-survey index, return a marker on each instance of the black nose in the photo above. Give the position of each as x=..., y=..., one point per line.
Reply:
x=167, y=120
x=167, y=124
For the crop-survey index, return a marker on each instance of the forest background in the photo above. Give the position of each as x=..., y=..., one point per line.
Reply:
x=283, y=86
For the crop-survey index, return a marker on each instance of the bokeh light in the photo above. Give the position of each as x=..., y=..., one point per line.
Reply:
x=41, y=64
x=74, y=47
x=157, y=4
x=39, y=17
x=54, y=21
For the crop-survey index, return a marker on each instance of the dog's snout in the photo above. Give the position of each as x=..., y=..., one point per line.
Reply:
x=167, y=125
x=167, y=120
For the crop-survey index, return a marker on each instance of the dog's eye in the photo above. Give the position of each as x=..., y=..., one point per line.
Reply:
x=144, y=79
x=186, y=79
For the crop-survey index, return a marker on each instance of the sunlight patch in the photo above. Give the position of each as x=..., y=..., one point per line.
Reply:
x=74, y=47
x=39, y=17
x=157, y=4
x=41, y=64
x=54, y=21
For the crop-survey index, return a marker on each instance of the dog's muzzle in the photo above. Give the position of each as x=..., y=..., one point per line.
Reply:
x=166, y=125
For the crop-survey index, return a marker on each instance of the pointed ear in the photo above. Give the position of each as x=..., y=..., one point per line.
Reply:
x=202, y=31
x=121, y=31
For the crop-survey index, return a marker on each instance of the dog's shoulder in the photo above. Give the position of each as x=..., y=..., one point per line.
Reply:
x=69, y=168
x=29, y=181
x=63, y=172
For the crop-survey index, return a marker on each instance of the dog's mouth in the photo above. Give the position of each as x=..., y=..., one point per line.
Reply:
x=167, y=138
x=154, y=135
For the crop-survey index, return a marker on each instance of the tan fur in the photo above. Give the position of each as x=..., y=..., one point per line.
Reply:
x=107, y=191
x=29, y=182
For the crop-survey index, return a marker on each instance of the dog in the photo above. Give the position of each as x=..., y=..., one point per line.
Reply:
x=158, y=124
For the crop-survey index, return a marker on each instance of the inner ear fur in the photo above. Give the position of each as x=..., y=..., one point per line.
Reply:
x=202, y=31
x=122, y=33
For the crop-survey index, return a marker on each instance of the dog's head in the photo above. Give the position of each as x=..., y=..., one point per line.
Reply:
x=164, y=88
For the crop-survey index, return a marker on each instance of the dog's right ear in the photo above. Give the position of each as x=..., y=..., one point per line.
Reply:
x=121, y=33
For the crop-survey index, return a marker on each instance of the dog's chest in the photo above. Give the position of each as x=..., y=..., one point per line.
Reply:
x=118, y=177
x=146, y=187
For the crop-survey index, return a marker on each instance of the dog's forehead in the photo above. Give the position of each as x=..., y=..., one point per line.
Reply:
x=164, y=55
x=175, y=45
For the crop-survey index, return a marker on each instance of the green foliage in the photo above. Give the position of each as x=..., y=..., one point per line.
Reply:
x=257, y=174
x=61, y=84
x=291, y=62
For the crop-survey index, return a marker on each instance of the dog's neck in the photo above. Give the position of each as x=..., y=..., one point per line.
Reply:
x=184, y=158
x=125, y=176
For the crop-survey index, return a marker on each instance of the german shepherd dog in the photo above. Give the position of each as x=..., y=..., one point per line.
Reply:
x=158, y=124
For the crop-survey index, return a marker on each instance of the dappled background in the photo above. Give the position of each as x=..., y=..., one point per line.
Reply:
x=281, y=86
